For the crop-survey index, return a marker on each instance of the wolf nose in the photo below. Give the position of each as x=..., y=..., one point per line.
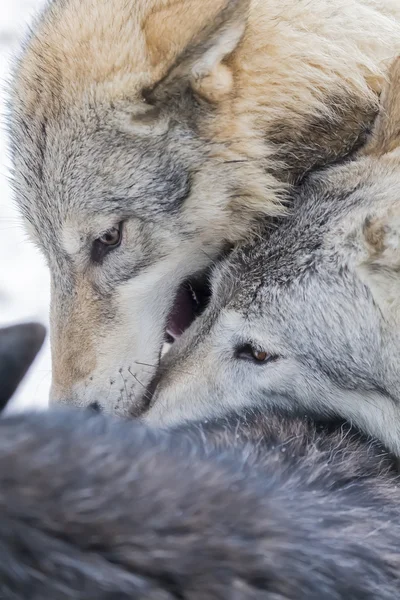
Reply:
x=95, y=406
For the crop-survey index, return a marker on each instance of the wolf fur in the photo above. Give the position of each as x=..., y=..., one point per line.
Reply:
x=320, y=297
x=94, y=509
x=184, y=120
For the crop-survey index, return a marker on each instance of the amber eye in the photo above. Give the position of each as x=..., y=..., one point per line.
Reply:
x=259, y=355
x=111, y=238
x=249, y=352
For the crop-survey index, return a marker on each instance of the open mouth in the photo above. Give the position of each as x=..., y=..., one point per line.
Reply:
x=191, y=300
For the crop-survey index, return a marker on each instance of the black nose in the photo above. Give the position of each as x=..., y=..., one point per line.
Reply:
x=95, y=407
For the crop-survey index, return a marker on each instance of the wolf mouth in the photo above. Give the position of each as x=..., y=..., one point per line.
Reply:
x=190, y=302
x=191, y=299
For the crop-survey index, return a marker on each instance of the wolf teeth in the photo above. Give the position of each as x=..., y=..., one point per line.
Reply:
x=193, y=294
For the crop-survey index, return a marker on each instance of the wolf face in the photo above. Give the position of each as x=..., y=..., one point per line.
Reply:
x=147, y=136
x=313, y=311
x=115, y=269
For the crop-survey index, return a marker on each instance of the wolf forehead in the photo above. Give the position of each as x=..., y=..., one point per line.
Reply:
x=315, y=238
x=84, y=162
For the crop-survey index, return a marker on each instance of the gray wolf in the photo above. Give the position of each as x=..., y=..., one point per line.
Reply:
x=250, y=507
x=19, y=345
x=311, y=312
x=149, y=135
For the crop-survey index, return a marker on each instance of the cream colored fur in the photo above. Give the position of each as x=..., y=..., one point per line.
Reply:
x=294, y=57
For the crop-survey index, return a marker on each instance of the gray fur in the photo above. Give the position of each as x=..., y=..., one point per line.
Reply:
x=246, y=508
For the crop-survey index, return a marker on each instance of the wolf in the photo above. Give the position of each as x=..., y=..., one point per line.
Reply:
x=310, y=313
x=149, y=136
x=19, y=345
x=249, y=507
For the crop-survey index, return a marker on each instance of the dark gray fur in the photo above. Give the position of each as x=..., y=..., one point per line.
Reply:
x=246, y=508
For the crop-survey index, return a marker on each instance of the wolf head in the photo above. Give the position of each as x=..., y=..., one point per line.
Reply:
x=119, y=187
x=311, y=311
x=147, y=134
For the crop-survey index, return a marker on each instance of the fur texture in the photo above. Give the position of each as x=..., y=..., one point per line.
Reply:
x=93, y=509
x=311, y=312
x=180, y=122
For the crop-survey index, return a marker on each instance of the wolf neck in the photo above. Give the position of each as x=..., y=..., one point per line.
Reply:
x=379, y=416
x=374, y=411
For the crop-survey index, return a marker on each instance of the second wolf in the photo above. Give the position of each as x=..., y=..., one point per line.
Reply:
x=311, y=314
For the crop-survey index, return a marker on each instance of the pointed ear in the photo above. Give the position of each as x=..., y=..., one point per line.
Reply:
x=206, y=33
x=379, y=266
x=386, y=133
x=380, y=263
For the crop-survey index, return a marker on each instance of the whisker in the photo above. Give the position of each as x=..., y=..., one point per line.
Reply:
x=126, y=390
x=212, y=260
x=160, y=366
x=145, y=365
x=147, y=395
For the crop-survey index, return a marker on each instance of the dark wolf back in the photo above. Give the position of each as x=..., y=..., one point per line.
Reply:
x=95, y=509
x=331, y=452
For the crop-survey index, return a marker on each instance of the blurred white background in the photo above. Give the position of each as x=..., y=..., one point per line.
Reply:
x=24, y=281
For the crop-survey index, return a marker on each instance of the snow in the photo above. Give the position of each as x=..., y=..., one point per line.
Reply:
x=24, y=279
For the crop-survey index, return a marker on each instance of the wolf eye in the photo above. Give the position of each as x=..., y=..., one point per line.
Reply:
x=110, y=240
x=249, y=352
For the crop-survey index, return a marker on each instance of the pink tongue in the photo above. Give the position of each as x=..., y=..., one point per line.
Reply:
x=182, y=313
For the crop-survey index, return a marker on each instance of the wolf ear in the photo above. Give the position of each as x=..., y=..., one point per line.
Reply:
x=379, y=266
x=386, y=133
x=207, y=37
